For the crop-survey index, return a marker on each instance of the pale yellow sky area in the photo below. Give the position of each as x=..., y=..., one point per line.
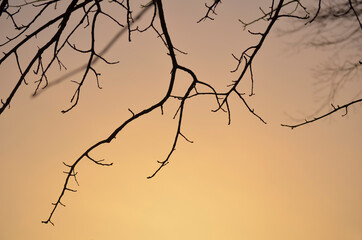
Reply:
x=246, y=180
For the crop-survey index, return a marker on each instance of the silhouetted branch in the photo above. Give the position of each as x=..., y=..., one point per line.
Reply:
x=351, y=7
x=131, y=119
x=54, y=40
x=335, y=109
x=3, y=6
x=88, y=12
x=317, y=12
x=268, y=15
x=248, y=59
x=247, y=106
x=102, y=52
x=108, y=140
x=76, y=94
x=210, y=10
x=335, y=26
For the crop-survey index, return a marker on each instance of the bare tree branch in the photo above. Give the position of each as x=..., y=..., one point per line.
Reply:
x=88, y=12
x=210, y=10
x=335, y=109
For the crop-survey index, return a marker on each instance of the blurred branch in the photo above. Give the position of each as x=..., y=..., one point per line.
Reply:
x=336, y=26
x=3, y=6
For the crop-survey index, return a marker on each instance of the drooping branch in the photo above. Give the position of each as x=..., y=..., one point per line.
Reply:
x=334, y=110
x=175, y=65
x=248, y=58
x=108, y=140
x=93, y=54
x=178, y=132
x=128, y=121
x=91, y=11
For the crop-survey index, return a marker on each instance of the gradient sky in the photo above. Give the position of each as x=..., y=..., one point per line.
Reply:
x=243, y=181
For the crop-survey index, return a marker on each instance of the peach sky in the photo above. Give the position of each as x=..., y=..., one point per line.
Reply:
x=246, y=180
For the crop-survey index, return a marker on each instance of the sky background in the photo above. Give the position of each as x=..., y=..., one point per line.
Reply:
x=246, y=180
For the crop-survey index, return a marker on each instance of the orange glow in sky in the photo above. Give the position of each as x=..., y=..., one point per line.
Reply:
x=246, y=180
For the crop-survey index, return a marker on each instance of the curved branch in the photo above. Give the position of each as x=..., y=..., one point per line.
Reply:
x=335, y=109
